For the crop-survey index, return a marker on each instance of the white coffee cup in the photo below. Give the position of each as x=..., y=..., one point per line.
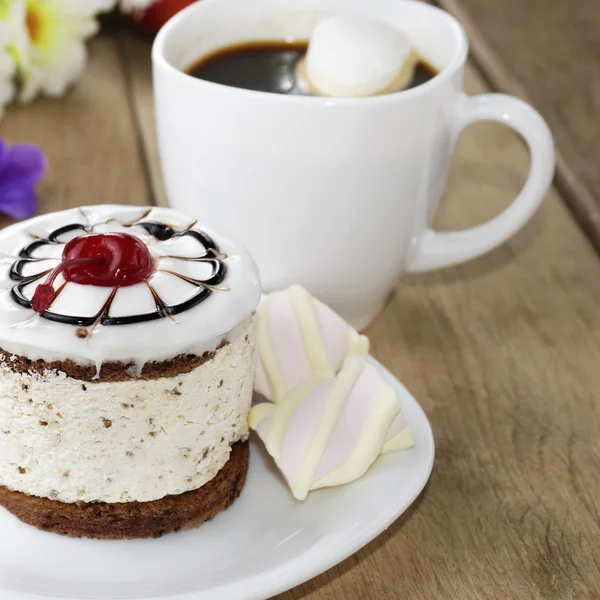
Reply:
x=334, y=194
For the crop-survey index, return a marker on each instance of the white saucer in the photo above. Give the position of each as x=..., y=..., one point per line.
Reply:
x=264, y=544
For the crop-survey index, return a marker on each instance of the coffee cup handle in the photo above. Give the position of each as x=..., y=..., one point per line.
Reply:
x=435, y=249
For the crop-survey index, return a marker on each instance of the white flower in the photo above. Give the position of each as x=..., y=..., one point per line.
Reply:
x=48, y=42
x=135, y=5
x=7, y=68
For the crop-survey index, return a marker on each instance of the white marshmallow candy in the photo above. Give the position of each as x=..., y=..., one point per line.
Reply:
x=356, y=57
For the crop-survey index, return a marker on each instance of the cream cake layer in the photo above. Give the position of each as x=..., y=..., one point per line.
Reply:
x=70, y=440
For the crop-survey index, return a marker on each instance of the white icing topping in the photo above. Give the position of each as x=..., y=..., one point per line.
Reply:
x=192, y=330
x=354, y=57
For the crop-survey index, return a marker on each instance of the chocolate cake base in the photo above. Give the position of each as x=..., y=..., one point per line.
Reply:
x=129, y=520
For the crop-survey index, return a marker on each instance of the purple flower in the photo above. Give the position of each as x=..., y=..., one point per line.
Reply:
x=21, y=168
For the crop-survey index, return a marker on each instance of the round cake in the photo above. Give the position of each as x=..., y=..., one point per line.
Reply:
x=126, y=368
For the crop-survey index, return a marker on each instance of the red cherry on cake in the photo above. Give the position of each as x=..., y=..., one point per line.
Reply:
x=101, y=259
x=113, y=260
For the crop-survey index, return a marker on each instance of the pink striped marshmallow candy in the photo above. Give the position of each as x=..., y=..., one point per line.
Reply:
x=300, y=338
x=328, y=431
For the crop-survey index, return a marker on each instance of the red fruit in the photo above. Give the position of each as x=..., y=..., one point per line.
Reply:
x=102, y=259
x=157, y=14
x=114, y=259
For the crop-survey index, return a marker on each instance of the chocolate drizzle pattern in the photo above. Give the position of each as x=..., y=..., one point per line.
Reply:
x=155, y=233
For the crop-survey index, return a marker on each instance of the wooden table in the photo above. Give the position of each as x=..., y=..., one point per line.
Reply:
x=500, y=352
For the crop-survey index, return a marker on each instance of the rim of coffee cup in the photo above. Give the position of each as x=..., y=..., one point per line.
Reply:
x=460, y=55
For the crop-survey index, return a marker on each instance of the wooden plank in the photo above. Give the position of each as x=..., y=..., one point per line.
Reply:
x=502, y=353
x=89, y=137
x=138, y=66
x=548, y=53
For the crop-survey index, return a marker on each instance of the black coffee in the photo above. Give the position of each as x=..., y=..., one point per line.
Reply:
x=269, y=66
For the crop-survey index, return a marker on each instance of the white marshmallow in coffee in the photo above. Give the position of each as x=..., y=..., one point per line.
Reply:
x=355, y=57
